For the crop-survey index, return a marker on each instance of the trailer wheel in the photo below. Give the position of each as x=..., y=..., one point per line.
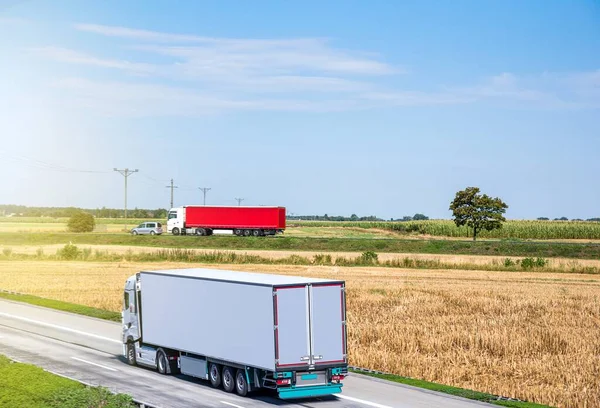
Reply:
x=237, y=232
x=161, y=362
x=256, y=233
x=228, y=379
x=215, y=375
x=241, y=384
x=131, y=354
x=247, y=233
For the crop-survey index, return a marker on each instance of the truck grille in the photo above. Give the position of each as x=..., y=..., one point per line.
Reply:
x=310, y=378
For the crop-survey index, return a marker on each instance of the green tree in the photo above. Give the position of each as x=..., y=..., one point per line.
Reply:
x=420, y=217
x=477, y=211
x=81, y=222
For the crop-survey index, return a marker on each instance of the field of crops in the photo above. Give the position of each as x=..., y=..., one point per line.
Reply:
x=446, y=228
x=532, y=336
x=516, y=229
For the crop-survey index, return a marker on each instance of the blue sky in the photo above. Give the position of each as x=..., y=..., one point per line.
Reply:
x=339, y=107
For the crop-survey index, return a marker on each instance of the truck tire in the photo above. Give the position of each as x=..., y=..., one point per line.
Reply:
x=161, y=362
x=131, y=354
x=175, y=231
x=247, y=233
x=237, y=232
x=228, y=379
x=241, y=383
x=256, y=233
x=214, y=374
x=200, y=231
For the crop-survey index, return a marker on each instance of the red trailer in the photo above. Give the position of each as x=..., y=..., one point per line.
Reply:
x=243, y=221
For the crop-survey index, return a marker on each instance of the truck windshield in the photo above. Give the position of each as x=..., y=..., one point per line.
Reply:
x=172, y=215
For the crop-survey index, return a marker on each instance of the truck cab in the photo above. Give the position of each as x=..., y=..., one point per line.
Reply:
x=176, y=221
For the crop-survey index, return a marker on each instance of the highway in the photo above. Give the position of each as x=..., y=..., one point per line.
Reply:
x=90, y=350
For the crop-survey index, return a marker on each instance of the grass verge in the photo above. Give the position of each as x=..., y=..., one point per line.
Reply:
x=440, y=246
x=63, y=306
x=28, y=386
x=458, y=392
x=113, y=316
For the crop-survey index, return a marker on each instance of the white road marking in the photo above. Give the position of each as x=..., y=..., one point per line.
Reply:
x=94, y=364
x=54, y=326
x=230, y=404
x=372, y=404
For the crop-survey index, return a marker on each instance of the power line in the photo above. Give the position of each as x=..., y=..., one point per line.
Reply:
x=171, y=187
x=204, y=191
x=126, y=173
x=239, y=201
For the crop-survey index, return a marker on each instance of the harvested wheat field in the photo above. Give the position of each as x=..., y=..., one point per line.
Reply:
x=532, y=336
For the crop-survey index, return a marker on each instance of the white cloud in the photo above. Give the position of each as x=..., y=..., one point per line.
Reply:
x=302, y=53
x=75, y=57
x=205, y=75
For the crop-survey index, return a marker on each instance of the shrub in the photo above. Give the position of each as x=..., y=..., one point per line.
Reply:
x=322, y=259
x=69, y=252
x=7, y=252
x=509, y=262
x=369, y=257
x=81, y=222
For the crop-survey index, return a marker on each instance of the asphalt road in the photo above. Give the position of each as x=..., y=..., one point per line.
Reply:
x=89, y=350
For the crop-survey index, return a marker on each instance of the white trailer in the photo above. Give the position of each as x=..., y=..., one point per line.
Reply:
x=241, y=331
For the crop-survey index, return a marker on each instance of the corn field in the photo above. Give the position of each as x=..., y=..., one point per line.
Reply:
x=447, y=228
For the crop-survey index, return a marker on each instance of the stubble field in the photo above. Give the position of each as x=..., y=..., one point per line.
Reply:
x=527, y=335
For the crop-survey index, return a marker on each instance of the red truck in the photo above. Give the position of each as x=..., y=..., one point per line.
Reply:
x=242, y=221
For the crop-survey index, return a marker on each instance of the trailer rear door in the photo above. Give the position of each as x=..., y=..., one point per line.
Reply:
x=310, y=327
x=292, y=348
x=328, y=324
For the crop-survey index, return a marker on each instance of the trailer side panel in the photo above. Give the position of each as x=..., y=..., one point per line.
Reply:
x=223, y=320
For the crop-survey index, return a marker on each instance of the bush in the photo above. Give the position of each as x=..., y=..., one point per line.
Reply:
x=81, y=222
x=369, y=257
x=509, y=262
x=69, y=252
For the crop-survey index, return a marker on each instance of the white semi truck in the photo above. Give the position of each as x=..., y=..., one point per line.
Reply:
x=240, y=331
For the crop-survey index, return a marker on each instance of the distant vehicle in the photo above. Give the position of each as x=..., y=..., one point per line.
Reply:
x=242, y=221
x=148, y=228
x=241, y=331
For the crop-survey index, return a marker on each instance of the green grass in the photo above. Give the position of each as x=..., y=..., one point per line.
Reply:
x=63, y=306
x=466, y=247
x=459, y=392
x=28, y=386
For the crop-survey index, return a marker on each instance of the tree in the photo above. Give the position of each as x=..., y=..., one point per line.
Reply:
x=81, y=222
x=420, y=217
x=477, y=211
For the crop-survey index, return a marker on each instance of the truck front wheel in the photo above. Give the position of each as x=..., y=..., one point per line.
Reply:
x=241, y=384
x=175, y=231
x=215, y=375
x=228, y=379
x=161, y=362
x=131, y=354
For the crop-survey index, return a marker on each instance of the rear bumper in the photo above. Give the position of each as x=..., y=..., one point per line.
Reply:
x=309, y=391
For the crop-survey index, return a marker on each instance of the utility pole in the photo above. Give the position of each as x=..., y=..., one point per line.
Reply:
x=126, y=173
x=239, y=200
x=171, y=187
x=204, y=190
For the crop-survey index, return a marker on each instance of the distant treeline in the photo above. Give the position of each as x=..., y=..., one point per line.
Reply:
x=58, y=212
